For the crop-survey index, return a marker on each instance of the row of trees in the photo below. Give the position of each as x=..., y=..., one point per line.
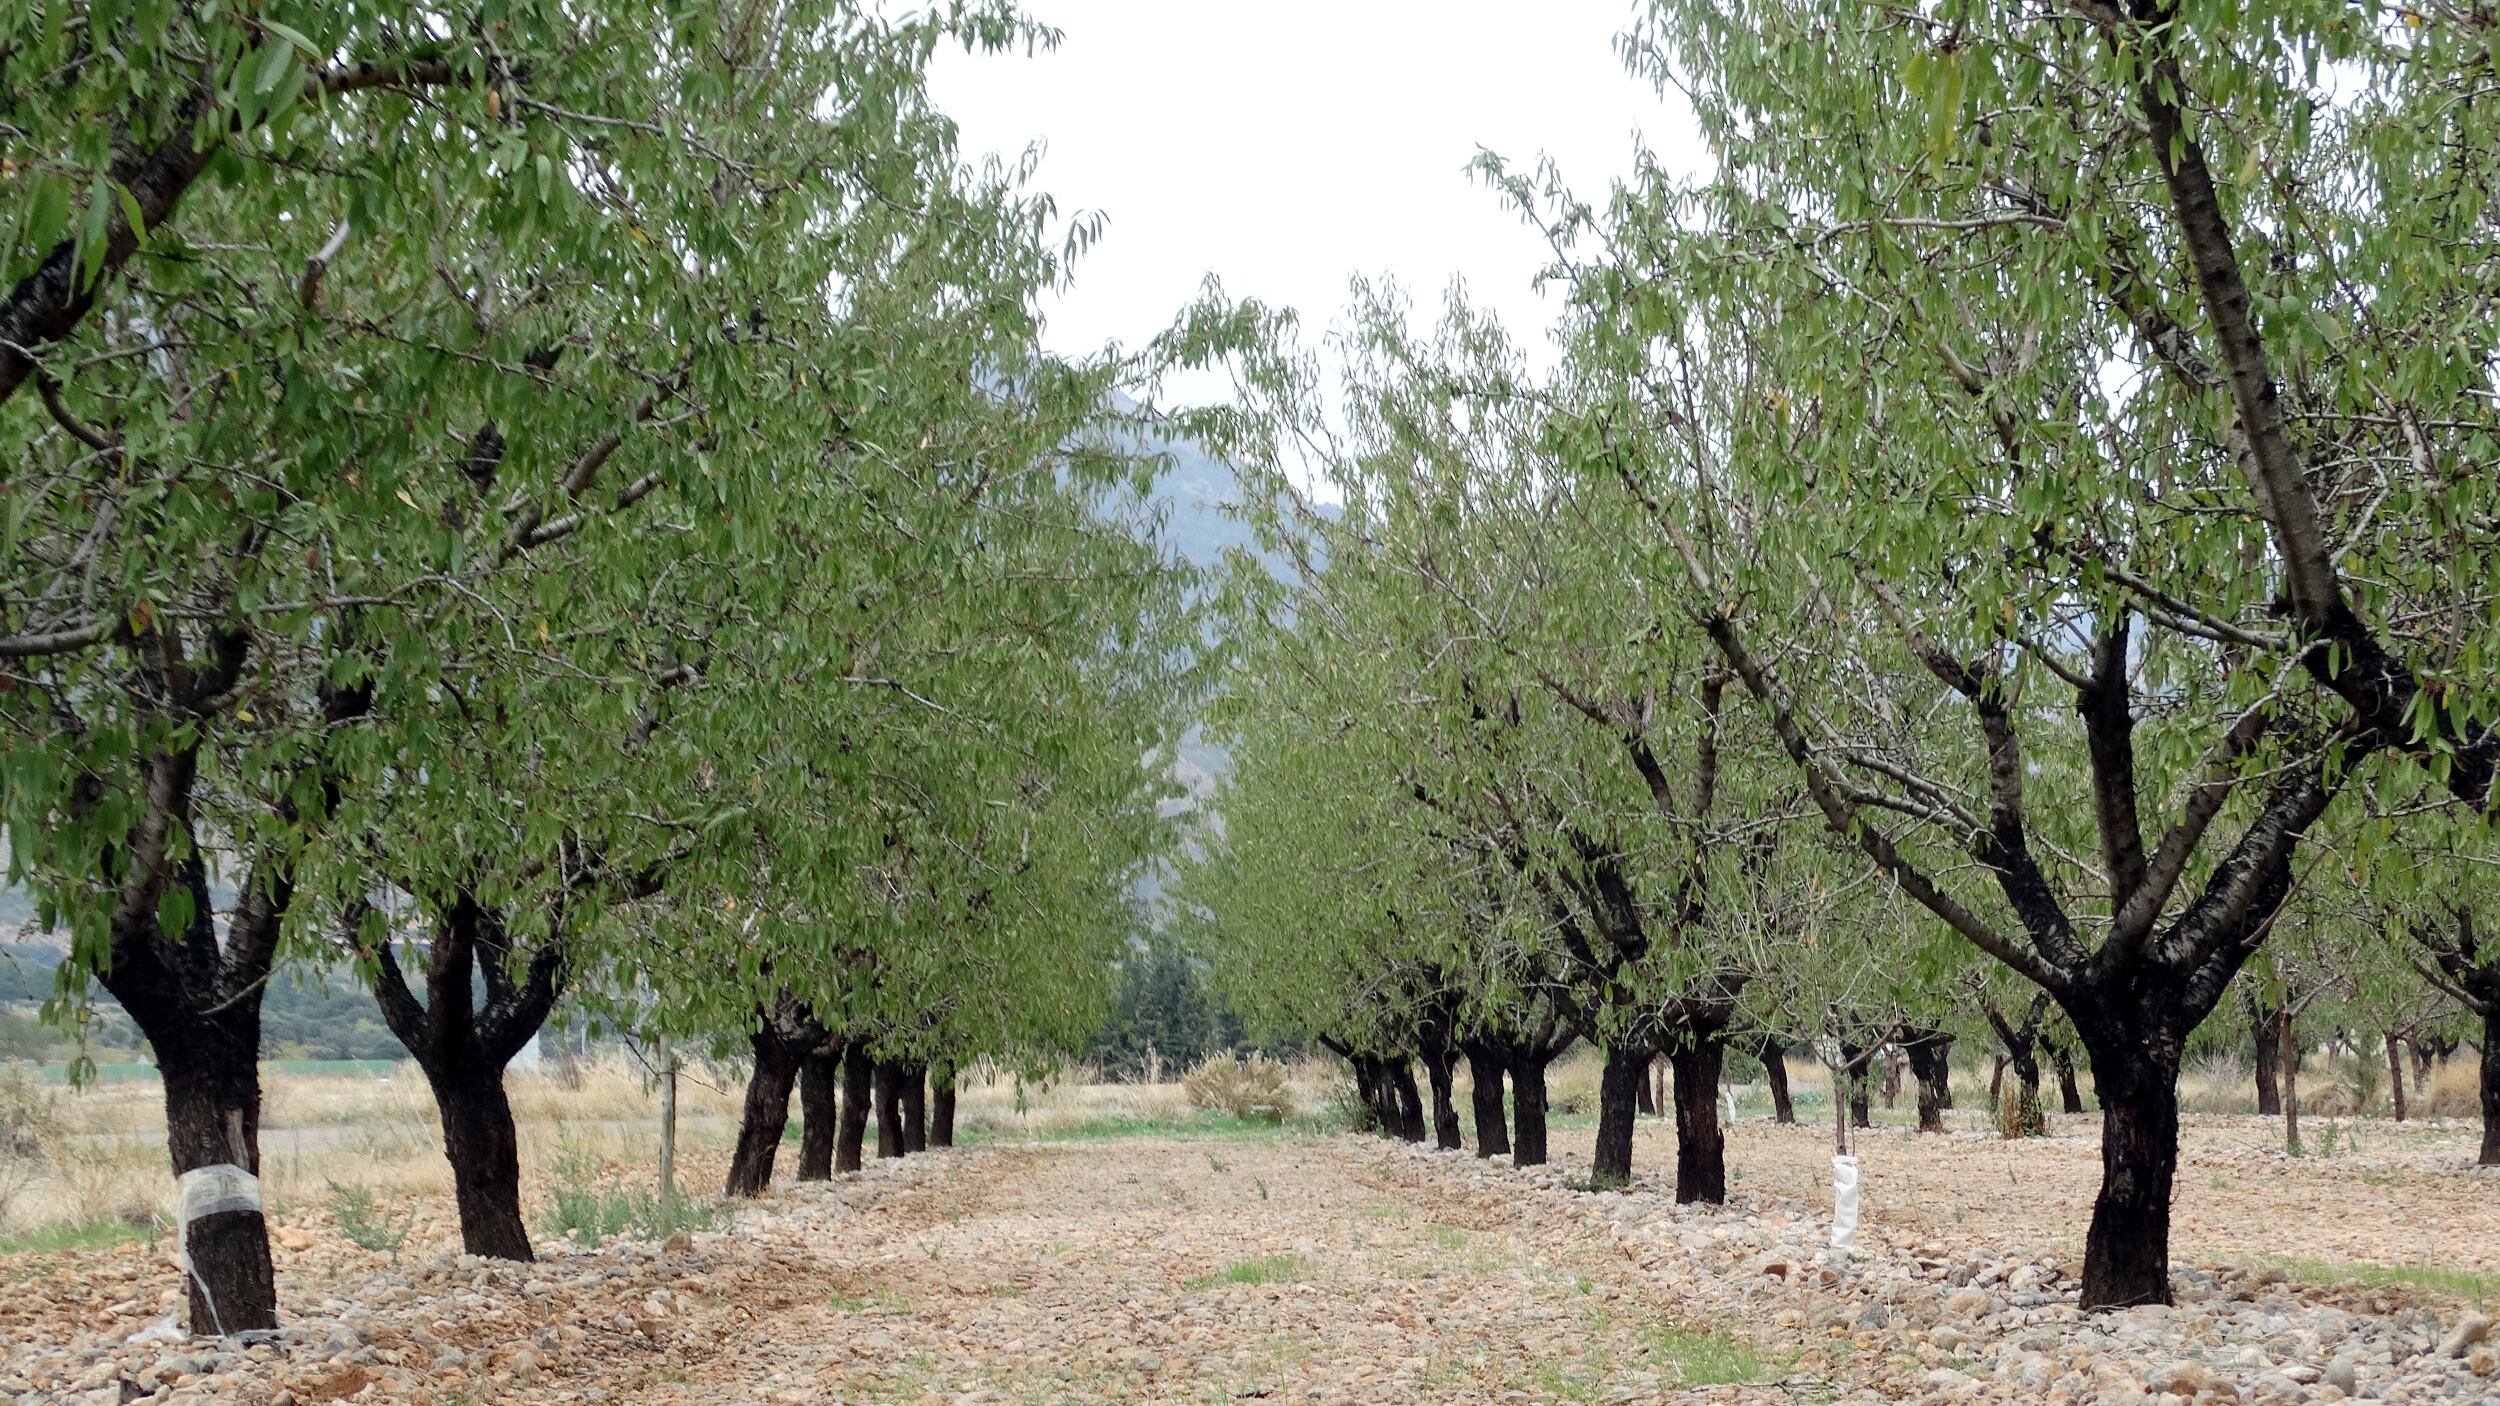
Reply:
x=555, y=498
x=2015, y=534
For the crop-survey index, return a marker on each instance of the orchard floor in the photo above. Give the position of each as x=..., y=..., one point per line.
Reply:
x=1343, y=1270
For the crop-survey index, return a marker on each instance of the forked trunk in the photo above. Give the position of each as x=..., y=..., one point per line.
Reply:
x=1775, y=1073
x=1700, y=1143
x=852, y=1132
x=1484, y=1068
x=889, y=1109
x=485, y=1155
x=1618, y=1106
x=1527, y=1109
x=212, y=1119
x=915, y=1108
x=942, y=1107
x=766, y=1113
x=2126, y=1251
x=820, y=1083
x=1440, y=1071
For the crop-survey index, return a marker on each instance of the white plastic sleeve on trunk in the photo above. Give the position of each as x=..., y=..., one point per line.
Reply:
x=213, y=1190
x=1844, y=1202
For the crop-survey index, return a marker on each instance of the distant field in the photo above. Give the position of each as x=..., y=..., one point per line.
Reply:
x=58, y=1073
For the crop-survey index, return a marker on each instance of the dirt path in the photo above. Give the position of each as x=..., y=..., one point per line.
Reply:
x=1289, y=1271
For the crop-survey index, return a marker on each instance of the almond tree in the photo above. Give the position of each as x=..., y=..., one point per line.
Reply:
x=2071, y=360
x=351, y=332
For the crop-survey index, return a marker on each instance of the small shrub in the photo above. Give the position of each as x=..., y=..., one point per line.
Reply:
x=1245, y=1088
x=2018, y=1112
x=367, y=1221
x=1267, y=1269
x=30, y=1116
x=2455, y=1091
x=589, y=1211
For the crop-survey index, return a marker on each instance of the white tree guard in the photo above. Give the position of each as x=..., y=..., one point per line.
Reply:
x=1844, y=1202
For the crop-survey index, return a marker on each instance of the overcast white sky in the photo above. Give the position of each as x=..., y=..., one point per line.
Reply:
x=1286, y=144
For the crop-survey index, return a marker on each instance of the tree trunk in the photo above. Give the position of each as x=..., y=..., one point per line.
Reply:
x=915, y=1108
x=2288, y=1061
x=1648, y=1095
x=889, y=1109
x=2396, y=1073
x=212, y=1118
x=485, y=1155
x=2267, y=1027
x=1440, y=1069
x=1892, y=1078
x=1492, y=1135
x=1700, y=1143
x=2126, y=1252
x=1775, y=1072
x=1931, y=1065
x=1527, y=1110
x=2026, y=1066
x=856, y=1096
x=1410, y=1102
x=2491, y=1088
x=767, y=1112
x=942, y=1107
x=820, y=1103
x=1618, y=1107
x=2070, y=1098
x=1996, y=1081
x=1370, y=1087
x=1853, y=1072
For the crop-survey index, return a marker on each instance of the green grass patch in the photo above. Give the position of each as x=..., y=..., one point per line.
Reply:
x=87, y=1235
x=1266, y=1269
x=2464, y=1283
x=1705, y=1359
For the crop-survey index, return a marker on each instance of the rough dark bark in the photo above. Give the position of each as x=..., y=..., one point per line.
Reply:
x=1527, y=1106
x=1700, y=1143
x=2266, y=1030
x=820, y=1102
x=1931, y=1065
x=1853, y=1083
x=942, y=1106
x=485, y=1154
x=2070, y=1097
x=212, y=1117
x=463, y=1048
x=1618, y=1107
x=852, y=1133
x=915, y=1097
x=2396, y=1073
x=1648, y=1093
x=2490, y=1155
x=2126, y=1257
x=766, y=1113
x=1400, y=1072
x=889, y=1109
x=1775, y=1073
x=1440, y=1072
x=1484, y=1068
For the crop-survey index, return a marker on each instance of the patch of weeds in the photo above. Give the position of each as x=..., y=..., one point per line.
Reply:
x=1266, y=1269
x=1449, y=1237
x=1261, y=1184
x=1583, y=1284
x=101, y=1234
x=587, y=1211
x=2464, y=1283
x=1598, y=1183
x=1216, y=1165
x=366, y=1219
x=1705, y=1358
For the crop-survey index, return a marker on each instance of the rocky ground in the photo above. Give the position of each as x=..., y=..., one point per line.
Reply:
x=1348, y=1270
